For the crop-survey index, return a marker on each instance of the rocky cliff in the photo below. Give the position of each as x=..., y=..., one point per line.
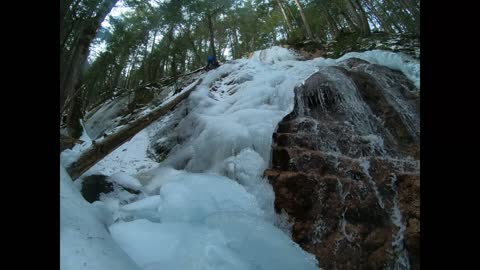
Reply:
x=345, y=167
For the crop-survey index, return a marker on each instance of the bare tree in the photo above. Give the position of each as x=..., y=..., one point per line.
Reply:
x=304, y=19
x=289, y=26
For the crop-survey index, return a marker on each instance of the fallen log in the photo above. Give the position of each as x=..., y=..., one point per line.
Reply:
x=100, y=149
x=195, y=71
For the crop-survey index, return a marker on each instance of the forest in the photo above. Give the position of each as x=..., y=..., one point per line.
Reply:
x=154, y=40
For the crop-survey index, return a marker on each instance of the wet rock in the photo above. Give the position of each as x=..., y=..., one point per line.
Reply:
x=94, y=185
x=346, y=161
x=408, y=189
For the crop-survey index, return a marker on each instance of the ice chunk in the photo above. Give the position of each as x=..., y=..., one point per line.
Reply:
x=125, y=180
x=150, y=202
x=158, y=177
x=145, y=208
x=261, y=243
x=274, y=54
x=225, y=241
x=192, y=197
x=172, y=246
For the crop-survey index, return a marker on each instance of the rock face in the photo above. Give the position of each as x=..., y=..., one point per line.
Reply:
x=345, y=167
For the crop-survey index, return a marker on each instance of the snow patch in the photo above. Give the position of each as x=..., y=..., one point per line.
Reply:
x=273, y=55
x=397, y=61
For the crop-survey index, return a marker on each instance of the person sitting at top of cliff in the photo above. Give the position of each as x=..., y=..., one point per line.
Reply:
x=212, y=62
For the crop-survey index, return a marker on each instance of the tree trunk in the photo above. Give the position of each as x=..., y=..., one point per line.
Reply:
x=411, y=7
x=148, y=60
x=304, y=19
x=101, y=149
x=290, y=29
x=235, y=42
x=232, y=49
x=129, y=74
x=71, y=76
x=173, y=67
x=119, y=68
x=332, y=23
x=392, y=18
x=161, y=69
x=70, y=100
x=196, y=57
x=153, y=42
x=143, y=67
x=66, y=33
x=385, y=25
x=183, y=60
x=384, y=18
x=295, y=19
x=212, y=39
x=63, y=11
x=410, y=14
x=357, y=17
x=349, y=21
x=70, y=10
x=362, y=16
x=74, y=128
